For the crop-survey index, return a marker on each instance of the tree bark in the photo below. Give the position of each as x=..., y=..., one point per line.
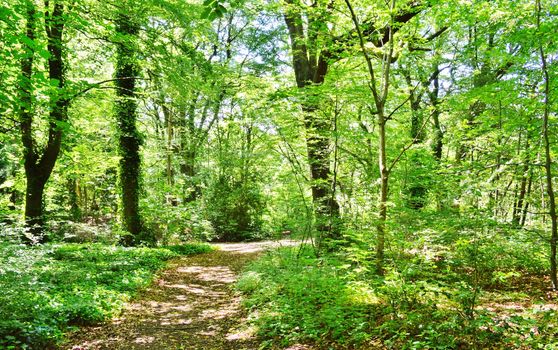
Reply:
x=384, y=192
x=438, y=139
x=519, y=202
x=548, y=161
x=127, y=70
x=526, y=206
x=310, y=69
x=39, y=162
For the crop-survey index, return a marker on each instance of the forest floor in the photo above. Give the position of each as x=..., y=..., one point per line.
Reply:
x=191, y=305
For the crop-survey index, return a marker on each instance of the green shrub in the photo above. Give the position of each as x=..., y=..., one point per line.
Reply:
x=190, y=248
x=304, y=300
x=235, y=209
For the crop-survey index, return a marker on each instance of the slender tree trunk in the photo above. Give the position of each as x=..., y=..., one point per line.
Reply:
x=127, y=70
x=75, y=211
x=169, y=124
x=519, y=203
x=438, y=141
x=437, y=134
x=548, y=160
x=384, y=182
x=526, y=206
x=380, y=96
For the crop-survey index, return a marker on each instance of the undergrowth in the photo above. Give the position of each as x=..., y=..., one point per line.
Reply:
x=48, y=289
x=337, y=302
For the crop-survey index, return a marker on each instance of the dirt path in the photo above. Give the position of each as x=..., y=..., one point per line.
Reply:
x=191, y=306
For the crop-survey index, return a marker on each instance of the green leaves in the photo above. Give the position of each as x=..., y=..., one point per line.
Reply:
x=213, y=9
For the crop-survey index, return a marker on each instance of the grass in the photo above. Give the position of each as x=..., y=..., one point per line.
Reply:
x=48, y=289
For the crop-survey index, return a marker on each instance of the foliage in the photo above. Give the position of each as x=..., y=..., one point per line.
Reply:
x=48, y=289
x=429, y=298
x=235, y=211
x=304, y=300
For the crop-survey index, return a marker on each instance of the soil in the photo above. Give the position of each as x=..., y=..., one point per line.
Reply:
x=191, y=305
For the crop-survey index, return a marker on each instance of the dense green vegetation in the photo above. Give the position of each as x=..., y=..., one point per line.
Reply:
x=411, y=144
x=461, y=284
x=48, y=289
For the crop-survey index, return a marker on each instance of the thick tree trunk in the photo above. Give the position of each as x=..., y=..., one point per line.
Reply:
x=34, y=208
x=318, y=146
x=188, y=169
x=417, y=190
x=127, y=71
x=310, y=69
x=33, y=200
x=39, y=163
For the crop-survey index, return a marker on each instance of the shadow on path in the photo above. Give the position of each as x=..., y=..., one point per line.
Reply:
x=190, y=306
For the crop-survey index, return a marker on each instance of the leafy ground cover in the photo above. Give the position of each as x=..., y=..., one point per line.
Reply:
x=478, y=290
x=48, y=289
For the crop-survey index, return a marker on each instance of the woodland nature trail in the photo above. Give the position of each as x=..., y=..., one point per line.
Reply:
x=190, y=306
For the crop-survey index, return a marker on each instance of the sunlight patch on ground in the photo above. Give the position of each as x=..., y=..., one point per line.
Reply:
x=241, y=334
x=180, y=321
x=222, y=312
x=191, y=306
x=298, y=347
x=144, y=340
x=255, y=247
x=221, y=274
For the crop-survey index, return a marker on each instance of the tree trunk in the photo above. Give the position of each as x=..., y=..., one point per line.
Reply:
x=548, y=163
x=127, y=70
x=417, y=190
x=526, y=206
x=438, y=137
x=169, y=124
x=39, y=162
x=519, y=203
x=188, y=169
x=310, y=69
x=75, y=210
x=384, y=182
x=34, y=208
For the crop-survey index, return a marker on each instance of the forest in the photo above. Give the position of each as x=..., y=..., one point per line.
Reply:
x=278, y=174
